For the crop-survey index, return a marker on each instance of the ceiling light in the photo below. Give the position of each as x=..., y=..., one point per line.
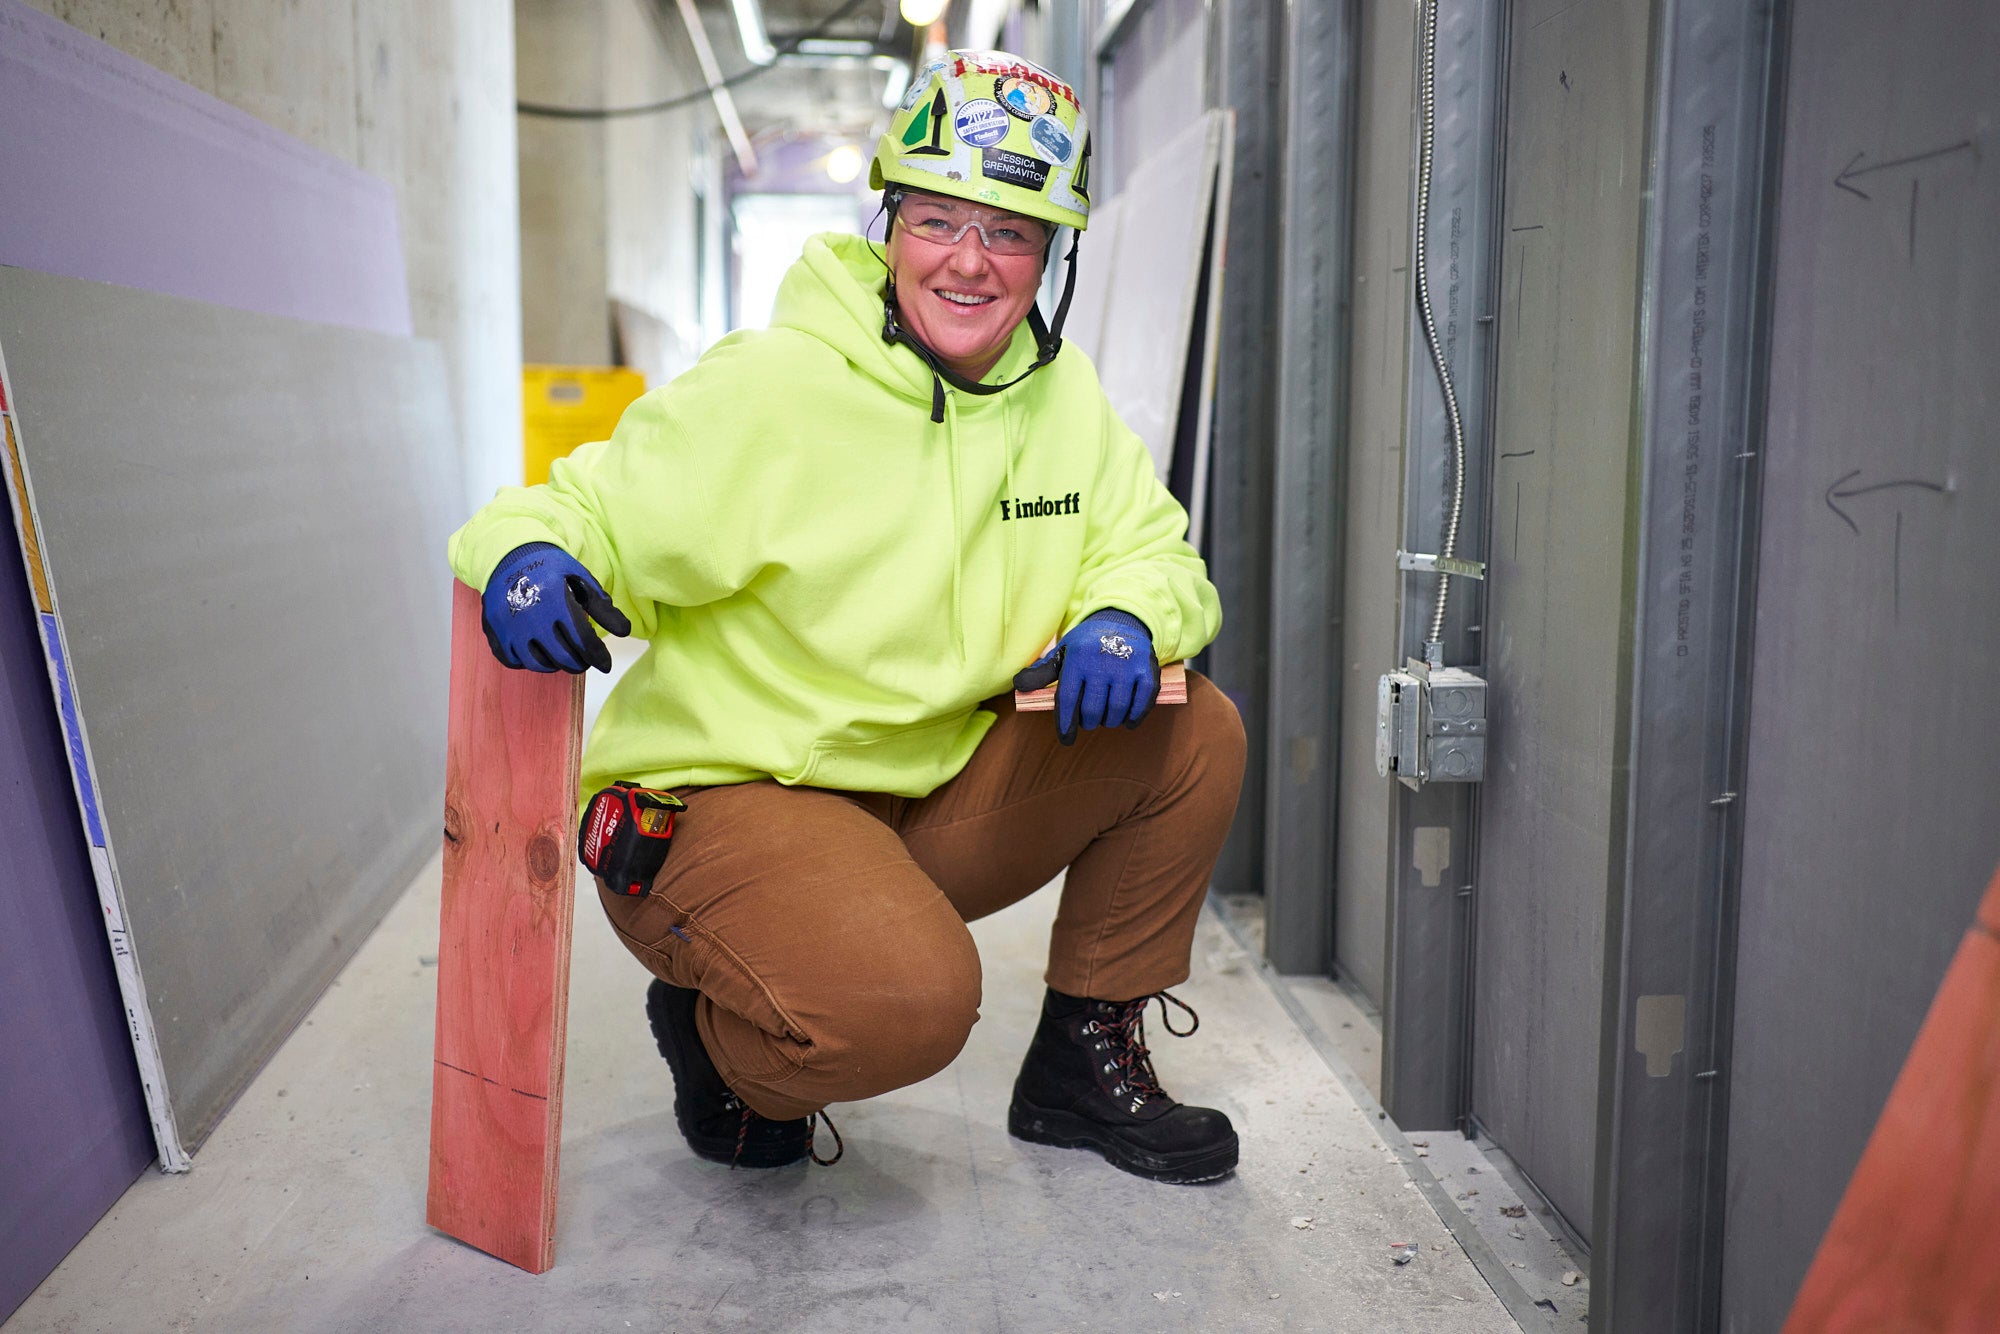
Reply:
x=923, y=13
x=843, y=164
x=757, y=48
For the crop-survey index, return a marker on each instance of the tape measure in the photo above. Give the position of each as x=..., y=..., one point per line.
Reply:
x=625, y=834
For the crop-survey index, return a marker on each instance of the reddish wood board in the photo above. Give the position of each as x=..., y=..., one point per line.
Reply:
x=1913, y=1246
x=513, y=750
x=1173, y=690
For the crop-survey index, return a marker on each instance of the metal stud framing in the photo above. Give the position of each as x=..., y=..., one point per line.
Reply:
x=1306, y=546
x=1424, y=1020
x=1662, y=1087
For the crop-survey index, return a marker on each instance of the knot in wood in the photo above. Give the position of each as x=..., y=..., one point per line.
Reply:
x=544, y=856
x=454, y=824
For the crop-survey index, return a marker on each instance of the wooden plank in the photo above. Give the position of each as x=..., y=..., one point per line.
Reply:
x=1173, y=690
x=1913, y=1246
x=511, y=779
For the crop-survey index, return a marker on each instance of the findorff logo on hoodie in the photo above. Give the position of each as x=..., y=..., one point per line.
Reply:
x=1041, y=507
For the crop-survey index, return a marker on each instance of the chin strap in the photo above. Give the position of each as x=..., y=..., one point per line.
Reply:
x=1048, y=340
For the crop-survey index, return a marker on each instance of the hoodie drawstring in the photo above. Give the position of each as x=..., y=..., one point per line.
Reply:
x=949, y=413
x=1007, y=452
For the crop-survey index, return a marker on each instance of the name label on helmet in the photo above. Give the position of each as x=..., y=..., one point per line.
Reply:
x=1014, y=169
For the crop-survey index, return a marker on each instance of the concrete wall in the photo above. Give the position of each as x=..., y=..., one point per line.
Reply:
x=420, y=95
x=609, y=241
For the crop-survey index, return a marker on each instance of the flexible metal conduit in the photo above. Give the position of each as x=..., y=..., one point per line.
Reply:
x=1422, y=266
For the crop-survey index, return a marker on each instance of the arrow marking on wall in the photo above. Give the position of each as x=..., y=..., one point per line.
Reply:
x=1852, y=172
x=1835, y=492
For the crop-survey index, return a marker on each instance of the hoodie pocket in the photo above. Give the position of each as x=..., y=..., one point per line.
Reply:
x=851, y=765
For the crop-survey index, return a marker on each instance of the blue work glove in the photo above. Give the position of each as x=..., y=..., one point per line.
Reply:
x=538, y=606
x=1106, y=671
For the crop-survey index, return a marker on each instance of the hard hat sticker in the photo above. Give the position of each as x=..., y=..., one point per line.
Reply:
x=1025, y=99
x=929, y=120
x=920, y=83
x=1051, y=140
x=1014, y=169
x=981, y=123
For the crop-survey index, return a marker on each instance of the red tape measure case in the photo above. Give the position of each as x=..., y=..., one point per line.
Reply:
x=625, y=834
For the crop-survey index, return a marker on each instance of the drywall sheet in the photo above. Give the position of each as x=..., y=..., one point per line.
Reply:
x=1871, y=811
x=1084, y=328
x=239, y=520
x=113, y=171
x=76, y=1122
x=1153, y=73
x=1556, y=596
x=1154, y=273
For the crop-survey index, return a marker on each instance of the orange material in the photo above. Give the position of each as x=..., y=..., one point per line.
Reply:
x=1913, y=1246
x=31, y=547
x=513, y=751
x=1173, y=690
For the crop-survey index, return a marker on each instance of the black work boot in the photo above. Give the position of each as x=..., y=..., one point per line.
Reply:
x=714, y=1121
x=1088, y=1083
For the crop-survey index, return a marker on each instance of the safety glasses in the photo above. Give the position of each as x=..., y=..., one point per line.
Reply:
x=946, y=221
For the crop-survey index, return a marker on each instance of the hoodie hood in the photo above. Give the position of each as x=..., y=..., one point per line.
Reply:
x=834, y=293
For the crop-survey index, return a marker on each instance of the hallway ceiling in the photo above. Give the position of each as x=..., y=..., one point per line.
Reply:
x=815, y=91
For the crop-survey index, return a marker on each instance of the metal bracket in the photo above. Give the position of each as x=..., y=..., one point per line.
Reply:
x=1423, y=564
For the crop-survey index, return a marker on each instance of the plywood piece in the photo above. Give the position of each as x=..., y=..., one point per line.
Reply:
x=514, y=749
x=1912, y=1246
x=1173, y=690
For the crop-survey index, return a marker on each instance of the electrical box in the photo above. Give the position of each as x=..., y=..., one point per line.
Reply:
x=1430, y=725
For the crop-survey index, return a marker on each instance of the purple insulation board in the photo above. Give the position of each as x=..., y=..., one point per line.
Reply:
x=113, y=171
x=77, y=1132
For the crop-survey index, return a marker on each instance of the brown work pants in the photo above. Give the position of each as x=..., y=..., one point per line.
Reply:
x=826, y=930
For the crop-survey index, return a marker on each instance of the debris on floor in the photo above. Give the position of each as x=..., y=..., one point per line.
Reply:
x=1403, y=1251
x=1303, y=1222
x=1571, y=1278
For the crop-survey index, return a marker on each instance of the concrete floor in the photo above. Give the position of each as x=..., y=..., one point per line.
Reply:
x=305, y=1210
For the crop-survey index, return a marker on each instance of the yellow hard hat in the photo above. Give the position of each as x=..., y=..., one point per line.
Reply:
x=995, y=129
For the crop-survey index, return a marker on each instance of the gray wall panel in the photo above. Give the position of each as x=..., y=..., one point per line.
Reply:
x=244, y=520
x=1872, y=816
x=1575, y=150
x=1377, y=391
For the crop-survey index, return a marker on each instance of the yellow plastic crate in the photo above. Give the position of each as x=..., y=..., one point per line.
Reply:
x=566, y=406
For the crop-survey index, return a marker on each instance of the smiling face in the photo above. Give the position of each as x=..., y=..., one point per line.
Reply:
x=960, y=298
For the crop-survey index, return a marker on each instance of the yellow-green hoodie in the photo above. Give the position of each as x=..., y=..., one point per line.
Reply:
x=830, y=582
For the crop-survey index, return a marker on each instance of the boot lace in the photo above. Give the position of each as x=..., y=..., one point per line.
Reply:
x=735, y=1103
x=1125, y=1038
